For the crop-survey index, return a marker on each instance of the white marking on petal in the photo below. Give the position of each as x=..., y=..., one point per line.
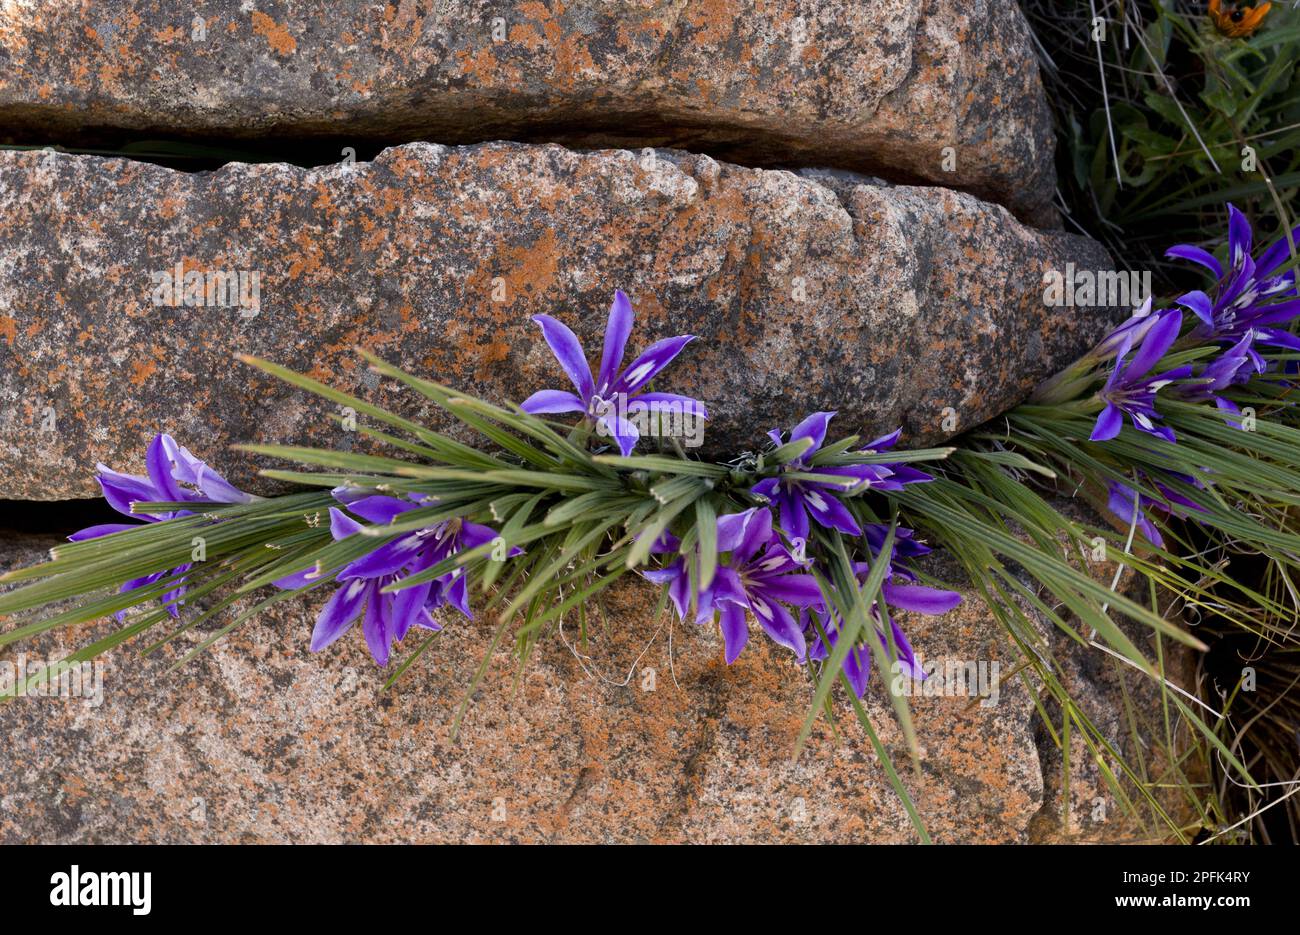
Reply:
x=639, y=373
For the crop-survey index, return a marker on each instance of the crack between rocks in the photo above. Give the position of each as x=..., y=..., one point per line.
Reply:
x=202, y=154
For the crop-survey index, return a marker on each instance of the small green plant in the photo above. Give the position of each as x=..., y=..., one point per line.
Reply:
x=1161, y=119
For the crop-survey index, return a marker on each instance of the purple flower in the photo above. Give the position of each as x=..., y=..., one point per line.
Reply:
x=611, y=396
x=1131, y=332
x=895, y=474
x=1131, y=390
x=907, y=596
x=173, y=474
x=1125, y=503
x=1246, y=296
x=857, y=664
x=761, y=577
x=388, y=617
x=797, y=499
x=1235, y=366
x=678, y=580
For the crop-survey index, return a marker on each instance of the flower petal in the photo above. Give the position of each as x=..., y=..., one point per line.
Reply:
x=794, y=517
x=552, y=401
x=564, y=345
x=379, y=508
x=342, y=525
x=1239, y=236
x=457, y=595
x=1200, y=305
x=668, y=404
x=338, y=613
x=159, y=465
x=374, y=626
x=387, y=559
x=813, y=427
x=778, y=624
x=622, y=431
x=1155, y=345
x=731, y=529
x=906, y=658
x=919, y=599
x=1109, y=422
x=121, y=490
x=1196, y=255
x=830, y=512
x=757, y=534
x=653, y=359
x=857, y=668
x=299, y=579
x=884, y=442
x=1272, y=258
x=617, y=329
x=735, y=631
x=408, y=608
x=190, y=470
x=800, y=590
x=104, y=529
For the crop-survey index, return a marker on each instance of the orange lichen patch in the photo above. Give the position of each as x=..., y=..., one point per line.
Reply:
x=573, y=60
x=8, y=328
x=277, y=36
x=307, y=258
x=531, y=270
x=142, y=370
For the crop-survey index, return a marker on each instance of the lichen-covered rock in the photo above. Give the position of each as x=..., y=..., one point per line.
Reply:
x=642, y=735
x=897, y=306
x=944, y=91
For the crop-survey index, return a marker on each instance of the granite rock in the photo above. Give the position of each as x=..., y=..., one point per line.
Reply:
x=897, y=306
x=941, y=91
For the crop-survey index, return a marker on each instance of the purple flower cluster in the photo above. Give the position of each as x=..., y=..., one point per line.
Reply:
x=1250, y=297
x=1242, y=312
x=1250, y=300
x=760, y=575
x=172, y=475
x=898, y=590
x=386, y=618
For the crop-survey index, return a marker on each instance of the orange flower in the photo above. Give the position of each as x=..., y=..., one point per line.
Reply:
x=1237, y=22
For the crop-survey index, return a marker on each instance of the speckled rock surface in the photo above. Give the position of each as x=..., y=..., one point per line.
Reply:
x=258, y=740
x=882, y=87
x=911, y=306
